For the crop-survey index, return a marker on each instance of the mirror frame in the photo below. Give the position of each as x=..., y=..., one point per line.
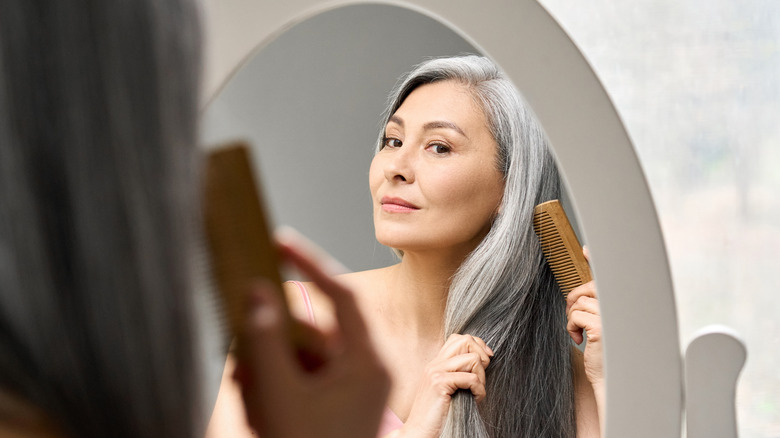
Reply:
x=601, y=170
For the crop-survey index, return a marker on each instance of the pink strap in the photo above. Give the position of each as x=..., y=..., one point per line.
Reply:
x=390, y=422
x=306, y=301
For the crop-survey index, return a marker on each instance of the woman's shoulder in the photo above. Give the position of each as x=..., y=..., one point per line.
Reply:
x=363, y=281
x=306, y=301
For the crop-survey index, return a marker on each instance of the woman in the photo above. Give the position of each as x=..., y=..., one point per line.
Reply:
x=470, y=323
x=98, y=185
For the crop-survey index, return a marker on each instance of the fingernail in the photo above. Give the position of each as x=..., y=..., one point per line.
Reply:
x=490, y=350
x=263, y=312
x=265, y=317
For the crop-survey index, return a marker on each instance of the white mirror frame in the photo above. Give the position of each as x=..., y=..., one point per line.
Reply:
x=595, y=154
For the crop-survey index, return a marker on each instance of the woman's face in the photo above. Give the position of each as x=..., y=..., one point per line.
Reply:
x=435, y=183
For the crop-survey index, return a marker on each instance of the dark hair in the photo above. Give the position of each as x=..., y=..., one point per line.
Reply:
x=504, y=292
x=98, y=109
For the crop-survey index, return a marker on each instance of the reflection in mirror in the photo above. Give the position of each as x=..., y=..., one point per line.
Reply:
x=314, y=118
x=310, y=102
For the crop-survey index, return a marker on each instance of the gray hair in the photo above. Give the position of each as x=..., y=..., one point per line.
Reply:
x=504, y=292
x=98, y=110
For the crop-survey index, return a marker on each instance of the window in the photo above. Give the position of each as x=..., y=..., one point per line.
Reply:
x=697, y=83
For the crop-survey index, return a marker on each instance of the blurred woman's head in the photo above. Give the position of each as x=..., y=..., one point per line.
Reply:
x=98, y=107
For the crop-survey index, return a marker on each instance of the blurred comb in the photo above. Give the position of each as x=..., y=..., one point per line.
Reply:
x=236, y=226
x=560, y=246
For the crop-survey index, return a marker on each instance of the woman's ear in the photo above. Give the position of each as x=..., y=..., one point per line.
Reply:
x=497, y=213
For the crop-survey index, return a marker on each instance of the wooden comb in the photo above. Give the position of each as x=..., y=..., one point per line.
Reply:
x=560, y=246
x=237, y=230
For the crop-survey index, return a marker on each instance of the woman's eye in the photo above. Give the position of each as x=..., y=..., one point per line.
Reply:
x=392, y=142
x=440, y=149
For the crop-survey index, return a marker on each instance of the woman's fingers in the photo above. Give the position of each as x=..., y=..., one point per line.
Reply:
x=484, y=346
x=266, y=363
x=584, y=315
x=467, y=363
x=460, y=372
x=465, y=371
x=309, y=262
x=267, y=341
x=460, y=344
x=341, y=386
x=471, y=382
x=460, y=364
x=585, y=303
x=582, y=309
x=584, y=290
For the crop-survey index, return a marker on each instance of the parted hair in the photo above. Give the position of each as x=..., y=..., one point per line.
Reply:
x=504, y=292
x=98, y=110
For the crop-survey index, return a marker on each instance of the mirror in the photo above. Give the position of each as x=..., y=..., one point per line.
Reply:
x=593, y=149
x=310, y=102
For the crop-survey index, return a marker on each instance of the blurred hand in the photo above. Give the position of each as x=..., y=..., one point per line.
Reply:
x=333, y=385
x=460, y=364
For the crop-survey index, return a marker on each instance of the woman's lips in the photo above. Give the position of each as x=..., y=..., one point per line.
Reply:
x=397, y=205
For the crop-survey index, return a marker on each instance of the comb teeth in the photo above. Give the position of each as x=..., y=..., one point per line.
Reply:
x=560, y=246
x=237, y=229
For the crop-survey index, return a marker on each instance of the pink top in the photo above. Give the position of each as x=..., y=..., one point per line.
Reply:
x=390, y=422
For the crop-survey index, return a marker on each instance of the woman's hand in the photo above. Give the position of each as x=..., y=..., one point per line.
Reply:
x=460, y=364
x=582, y=310
x=342, y=393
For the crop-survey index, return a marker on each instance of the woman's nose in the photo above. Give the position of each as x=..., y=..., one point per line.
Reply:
x=400, y=165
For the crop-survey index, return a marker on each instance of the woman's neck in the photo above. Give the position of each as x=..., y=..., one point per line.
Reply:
x=416, y=294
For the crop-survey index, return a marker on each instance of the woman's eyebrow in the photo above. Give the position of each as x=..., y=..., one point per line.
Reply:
x=397, y=120
x=438, y=124
x=444, y=124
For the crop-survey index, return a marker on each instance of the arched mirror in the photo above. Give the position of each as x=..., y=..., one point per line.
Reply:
x=309, y=92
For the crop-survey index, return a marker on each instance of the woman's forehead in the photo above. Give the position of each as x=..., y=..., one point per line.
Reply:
x=442, y=104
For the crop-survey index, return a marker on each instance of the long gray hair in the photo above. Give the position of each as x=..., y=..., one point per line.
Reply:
x=504, y=292
x=98, y=110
